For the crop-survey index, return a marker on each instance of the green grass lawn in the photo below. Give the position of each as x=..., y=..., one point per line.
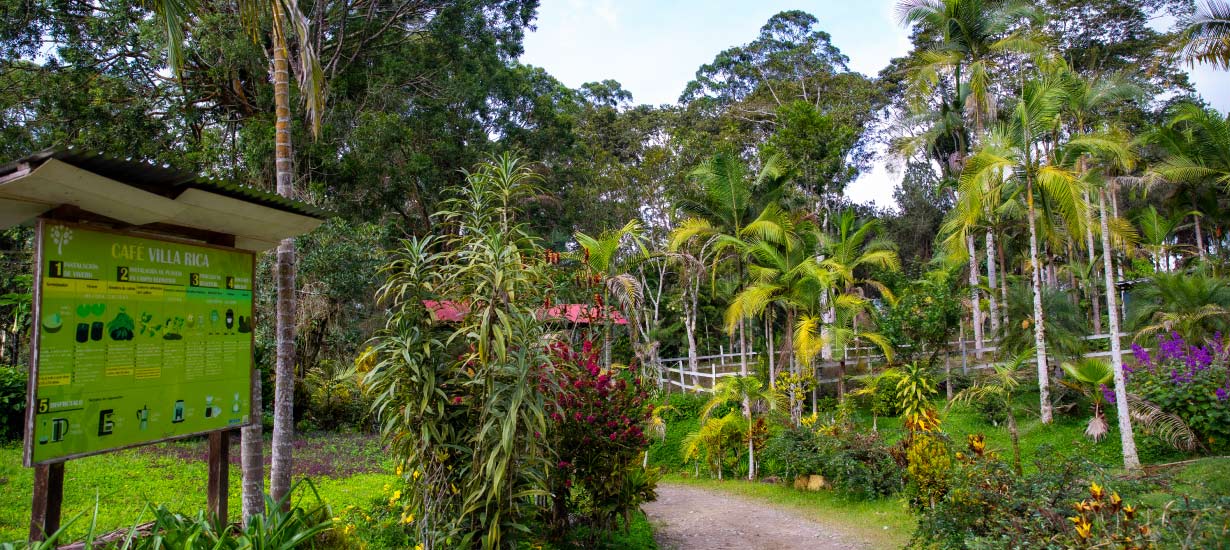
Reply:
x=885, y=523
x=346, y=470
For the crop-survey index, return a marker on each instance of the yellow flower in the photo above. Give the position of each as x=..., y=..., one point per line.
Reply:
x=386, y=488
x=418, y=547
x=1129, y=511
x=337, y=520
x=349, y=529
x=399, y=469
x=407, y=519
x=396, y=496
x=1096, y=491
x=416, y=475
x=1083, y=528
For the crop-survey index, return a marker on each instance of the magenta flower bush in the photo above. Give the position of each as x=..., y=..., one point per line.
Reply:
x=597, y=424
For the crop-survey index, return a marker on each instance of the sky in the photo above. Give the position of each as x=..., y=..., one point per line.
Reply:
x=653, y=48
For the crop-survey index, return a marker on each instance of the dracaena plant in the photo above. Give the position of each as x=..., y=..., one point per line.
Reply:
x=463, y=405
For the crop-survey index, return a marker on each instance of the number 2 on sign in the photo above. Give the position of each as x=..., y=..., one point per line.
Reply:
x=121, y=274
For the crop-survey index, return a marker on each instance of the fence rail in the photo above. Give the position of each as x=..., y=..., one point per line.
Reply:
x=677, y=372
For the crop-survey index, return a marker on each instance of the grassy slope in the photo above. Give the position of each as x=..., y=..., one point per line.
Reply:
x=123, y=483
x=885, y=523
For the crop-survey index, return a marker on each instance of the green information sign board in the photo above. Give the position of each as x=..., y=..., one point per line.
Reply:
x=138, y=340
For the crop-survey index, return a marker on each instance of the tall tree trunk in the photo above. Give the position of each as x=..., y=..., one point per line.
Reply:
x=742, y=349
x=768, y=348
x=1092, y=287
x=993, y=284
x=1044, y=391
x=751, y=451
x=252, y=457
x=284, y=377
x=974, y=296
x=1003, y=285
x=1199, y=234
x=1130, y=460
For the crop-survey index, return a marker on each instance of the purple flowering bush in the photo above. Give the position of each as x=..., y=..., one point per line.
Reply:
x=1189, y=380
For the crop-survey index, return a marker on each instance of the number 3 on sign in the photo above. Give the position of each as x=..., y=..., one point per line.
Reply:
x=194, y=279
x=121, y=274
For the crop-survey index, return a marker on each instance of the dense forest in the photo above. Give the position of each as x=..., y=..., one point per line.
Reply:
x=1058, y=179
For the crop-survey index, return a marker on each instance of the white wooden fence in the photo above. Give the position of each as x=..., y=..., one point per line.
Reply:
x=676, y=372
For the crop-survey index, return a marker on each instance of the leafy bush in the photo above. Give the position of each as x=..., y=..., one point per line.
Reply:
x=288, y=528
x=333, y=397
x=1190, y=381
x=988, y=506
x=12, y=402
x=861, y=464
x=597, y=430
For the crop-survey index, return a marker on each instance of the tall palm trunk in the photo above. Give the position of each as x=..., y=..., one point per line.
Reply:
x=252, y=457
x=284, y=378
x=1044, y=391
x=992, y=283
x=1130, y=460
x=974, y=296
x=751, y=451
x=1091, y=291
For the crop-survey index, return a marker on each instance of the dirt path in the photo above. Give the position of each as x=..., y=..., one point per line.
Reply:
x=687, y=518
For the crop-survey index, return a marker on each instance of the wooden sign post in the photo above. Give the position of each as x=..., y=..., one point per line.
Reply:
x=143, y=312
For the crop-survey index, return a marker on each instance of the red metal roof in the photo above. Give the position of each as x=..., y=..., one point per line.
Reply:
x=446, y=311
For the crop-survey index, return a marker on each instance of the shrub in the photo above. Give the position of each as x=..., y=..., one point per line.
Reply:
x=988, y=506
x=12, y=402
x=597, y=430
x=1190, y=381
x=859, y=463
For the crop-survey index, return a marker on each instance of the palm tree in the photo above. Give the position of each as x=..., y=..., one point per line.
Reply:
x=287, y=21
x=1011, y=152
x=747, y=390
x=972, y=39
x=1191, y=304
x=1206, y=35
x=999, y=385
x=712, y=439
x=601, y=257
x=1090, y=377
x=729, y=201
x=1197, y=142
x=848, y=254
x=781, y=262
x=1156, y=231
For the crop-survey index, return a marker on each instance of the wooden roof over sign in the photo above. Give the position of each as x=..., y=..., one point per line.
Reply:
x=133, y=195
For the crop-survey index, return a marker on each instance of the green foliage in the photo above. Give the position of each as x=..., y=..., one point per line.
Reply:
x=12, y=402
x=716, y=443
x=859, y=464
x=989, y=506
x=1192, y=304
x=879, y=393
x=914, y=392
x=280, y=526
x=924, y=317
x=463, y=405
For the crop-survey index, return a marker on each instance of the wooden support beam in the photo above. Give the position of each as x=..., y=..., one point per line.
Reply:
x=219, y=483
x=47, y=500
